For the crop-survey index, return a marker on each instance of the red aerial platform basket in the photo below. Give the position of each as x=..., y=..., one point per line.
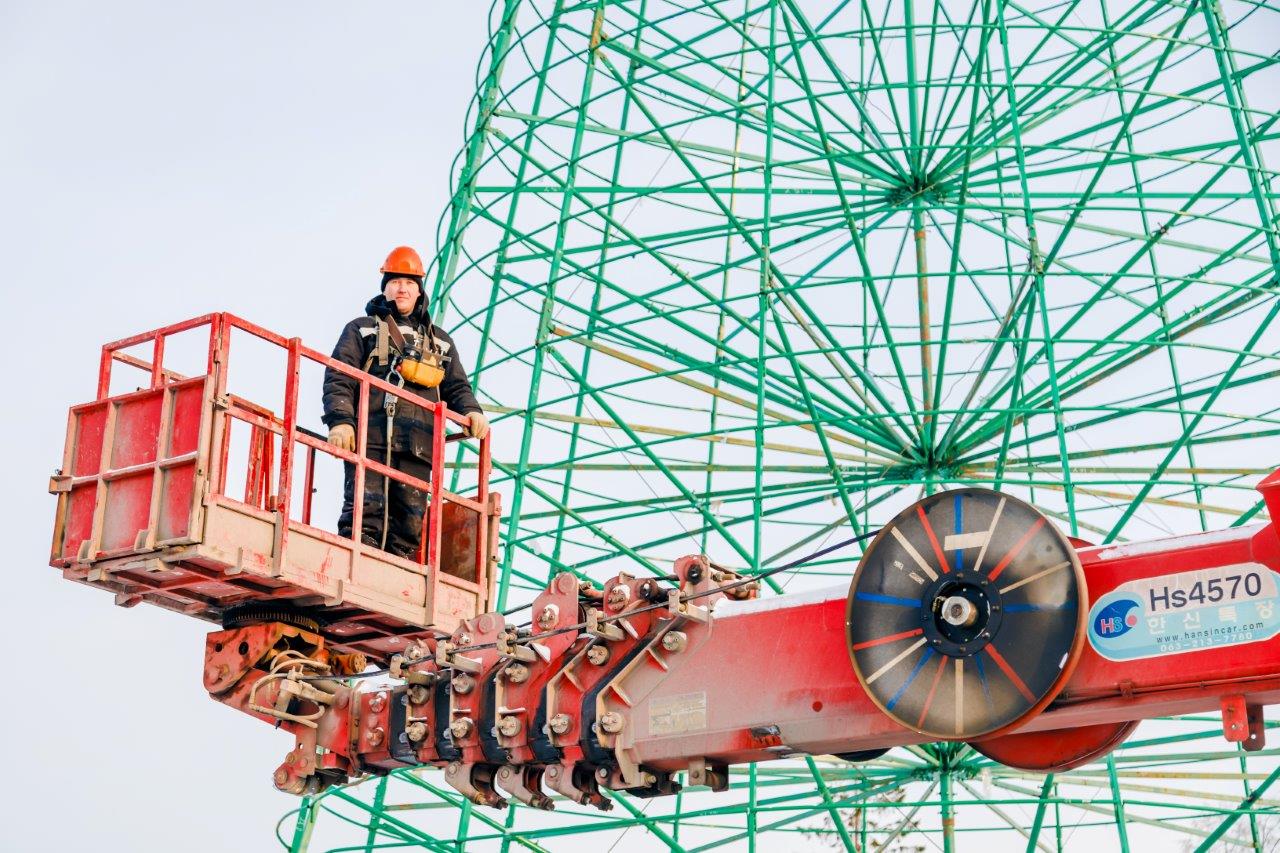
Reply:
x=146, y=511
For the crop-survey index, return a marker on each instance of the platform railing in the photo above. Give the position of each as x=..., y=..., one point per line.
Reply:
x=267, y=426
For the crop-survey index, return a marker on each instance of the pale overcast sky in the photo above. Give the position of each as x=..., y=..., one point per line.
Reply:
x=158, y=161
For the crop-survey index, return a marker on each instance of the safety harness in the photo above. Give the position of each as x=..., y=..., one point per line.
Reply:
x=423, y=367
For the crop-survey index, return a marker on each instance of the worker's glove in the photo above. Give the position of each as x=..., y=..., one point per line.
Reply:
x=343, y=436
x=477, y=425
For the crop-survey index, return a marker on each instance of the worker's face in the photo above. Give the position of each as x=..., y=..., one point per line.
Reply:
x=404, y=292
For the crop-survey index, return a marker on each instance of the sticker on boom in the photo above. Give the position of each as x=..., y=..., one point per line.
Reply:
x=1186, y=612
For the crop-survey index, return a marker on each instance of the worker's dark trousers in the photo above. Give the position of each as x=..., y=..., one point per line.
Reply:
x=407, y=504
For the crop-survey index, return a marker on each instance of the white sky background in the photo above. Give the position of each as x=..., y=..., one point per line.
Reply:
x=159, y=161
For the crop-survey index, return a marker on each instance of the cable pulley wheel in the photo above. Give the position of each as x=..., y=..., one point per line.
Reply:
x=966, y=615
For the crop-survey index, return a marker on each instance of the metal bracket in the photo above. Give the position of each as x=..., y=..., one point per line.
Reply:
x=248, y=559
x=704, y=775
x=683, y=608
x=509, y=648
x=338, y=593
x=475, y=782
x=524, y=782
x=604, y=630
x=447, y=658
x=1243, y=723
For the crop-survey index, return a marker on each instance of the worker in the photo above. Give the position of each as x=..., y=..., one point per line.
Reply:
x=395, y=341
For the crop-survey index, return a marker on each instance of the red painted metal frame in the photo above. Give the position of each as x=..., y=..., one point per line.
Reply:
x=768, y=678
x=220, y=326
x=688, y=690
x=269, y=474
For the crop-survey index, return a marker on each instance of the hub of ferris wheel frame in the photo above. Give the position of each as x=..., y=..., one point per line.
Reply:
x=763, y=274
x=917, y=246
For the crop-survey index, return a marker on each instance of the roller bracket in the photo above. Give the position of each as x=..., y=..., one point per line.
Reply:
x=1243, y=723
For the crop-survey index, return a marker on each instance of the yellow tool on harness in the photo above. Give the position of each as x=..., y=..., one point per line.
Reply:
x=424, y=370
x=420, y=368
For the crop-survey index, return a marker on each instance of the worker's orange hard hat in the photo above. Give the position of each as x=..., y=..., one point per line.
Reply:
x=403, y=261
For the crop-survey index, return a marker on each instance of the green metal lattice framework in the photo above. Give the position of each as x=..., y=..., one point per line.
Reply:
x=1166, y=791
x=738, y=276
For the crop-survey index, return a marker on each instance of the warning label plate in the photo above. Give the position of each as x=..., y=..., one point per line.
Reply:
x=674, y=715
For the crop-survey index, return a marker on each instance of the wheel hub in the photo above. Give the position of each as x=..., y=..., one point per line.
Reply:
x=960, y=613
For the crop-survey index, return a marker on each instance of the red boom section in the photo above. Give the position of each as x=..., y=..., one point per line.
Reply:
x=624, y=686
x=793, y=653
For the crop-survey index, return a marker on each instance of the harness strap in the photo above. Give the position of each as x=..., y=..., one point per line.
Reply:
x=381, y=348
x=393, y=329
x=381, y=352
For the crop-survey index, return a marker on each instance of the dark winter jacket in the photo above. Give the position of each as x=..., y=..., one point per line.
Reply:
x=412, y=431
